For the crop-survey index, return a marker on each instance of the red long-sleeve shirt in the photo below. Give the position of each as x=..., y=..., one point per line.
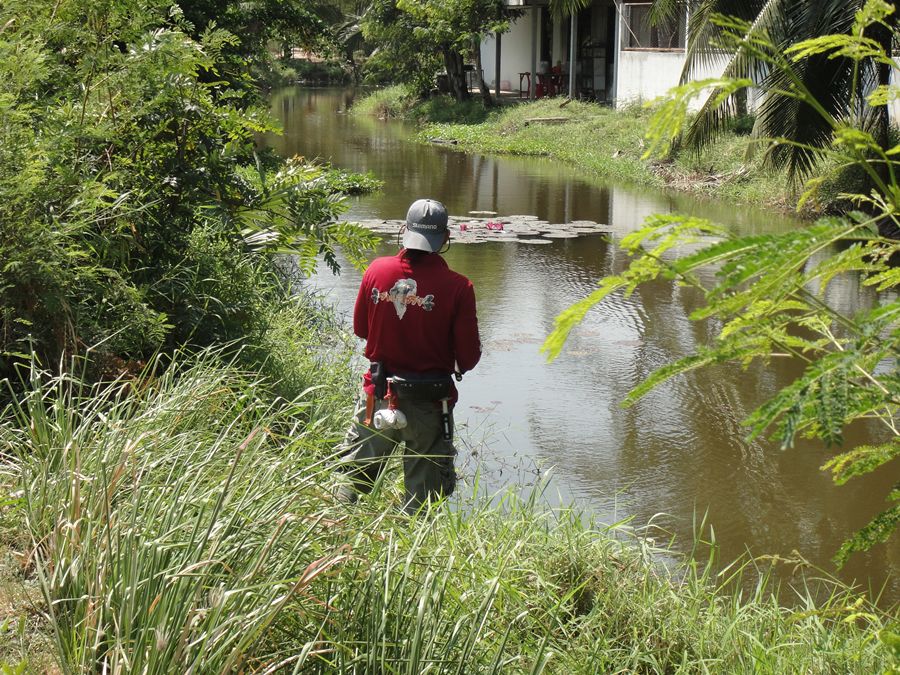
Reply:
x=417, y=316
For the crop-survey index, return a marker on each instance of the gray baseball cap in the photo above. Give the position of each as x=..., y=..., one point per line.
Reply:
x=426, y=226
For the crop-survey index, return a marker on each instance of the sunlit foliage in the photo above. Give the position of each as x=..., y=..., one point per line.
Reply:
x=129, y=174
x=769, y=292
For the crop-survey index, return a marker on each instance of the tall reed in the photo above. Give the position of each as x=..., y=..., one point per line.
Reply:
x=184, y=523
x=170, y=523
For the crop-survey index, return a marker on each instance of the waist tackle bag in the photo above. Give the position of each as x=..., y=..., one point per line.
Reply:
x=424, y=388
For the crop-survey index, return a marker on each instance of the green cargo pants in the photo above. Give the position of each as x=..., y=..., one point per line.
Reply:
x=427, y=460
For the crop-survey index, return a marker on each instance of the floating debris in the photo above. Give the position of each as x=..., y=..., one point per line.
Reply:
x=523, y=229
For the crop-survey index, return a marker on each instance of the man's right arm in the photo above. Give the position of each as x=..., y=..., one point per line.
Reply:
x=361, y=310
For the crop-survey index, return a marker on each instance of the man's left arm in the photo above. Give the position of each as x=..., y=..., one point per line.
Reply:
x=466, y=341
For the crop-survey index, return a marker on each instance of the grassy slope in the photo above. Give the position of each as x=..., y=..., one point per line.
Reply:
x=188, y=523
x=607, y=144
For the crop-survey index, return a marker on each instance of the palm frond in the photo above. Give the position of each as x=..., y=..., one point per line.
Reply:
x=664, y=11
x=783, y=116
x=711, y=43
x=564, y=8
x=705, y=48
x=833, y=82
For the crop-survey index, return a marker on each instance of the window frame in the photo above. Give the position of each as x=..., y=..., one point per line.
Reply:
x=628, y=33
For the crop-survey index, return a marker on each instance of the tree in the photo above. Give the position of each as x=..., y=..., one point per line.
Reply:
x=838, y=82
x=133, y=202
x=412, y=29
x=348, y=33
x=256, y=23
x=769, y=294
x=402, y=50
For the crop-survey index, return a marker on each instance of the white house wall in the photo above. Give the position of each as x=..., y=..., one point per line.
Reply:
x=894, y=106
x=646, y=74
x=515, y=54
x=641, y=75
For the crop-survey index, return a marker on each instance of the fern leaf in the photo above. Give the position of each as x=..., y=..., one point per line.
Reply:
x=572, y=316
x=861, y=460
x=876, y=532
x=703, y=358
x=839, y=46
x=884, y=95
x=885, y=279
x=672, y=111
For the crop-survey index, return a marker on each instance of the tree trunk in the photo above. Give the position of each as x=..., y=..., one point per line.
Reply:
x=453, y=62
x=351, y=63
x=482, y=85
x=880, y=117
x=885, y=38
x=740, y=102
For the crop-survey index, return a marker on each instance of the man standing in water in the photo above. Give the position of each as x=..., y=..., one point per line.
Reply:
x=419, y=322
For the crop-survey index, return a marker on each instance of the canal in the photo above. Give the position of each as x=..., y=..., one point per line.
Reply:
x=676, y=458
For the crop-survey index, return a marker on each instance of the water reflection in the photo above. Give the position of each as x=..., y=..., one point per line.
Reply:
x=682, y=449
x=316, y=125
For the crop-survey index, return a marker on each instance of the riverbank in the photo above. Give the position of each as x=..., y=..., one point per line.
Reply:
x=606, y=144
x=184, y=520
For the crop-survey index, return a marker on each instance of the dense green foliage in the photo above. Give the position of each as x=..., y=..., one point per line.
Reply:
x=768, y=296
x=290, y=71
x=185, y=522
x=131, y=196
x=757, y=33
x=403, y=54
x=414, y=38
x=399, y=102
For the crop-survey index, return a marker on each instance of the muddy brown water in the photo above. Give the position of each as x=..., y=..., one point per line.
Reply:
x=678, y=456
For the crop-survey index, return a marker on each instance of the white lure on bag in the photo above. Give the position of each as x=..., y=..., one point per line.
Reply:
x=389, y=418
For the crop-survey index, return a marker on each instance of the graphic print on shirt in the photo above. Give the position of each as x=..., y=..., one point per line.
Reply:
x=403, y=294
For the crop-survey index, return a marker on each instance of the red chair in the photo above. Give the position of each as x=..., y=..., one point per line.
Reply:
x=545, y=85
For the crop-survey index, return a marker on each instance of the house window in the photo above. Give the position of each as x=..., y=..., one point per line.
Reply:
x=639, y=33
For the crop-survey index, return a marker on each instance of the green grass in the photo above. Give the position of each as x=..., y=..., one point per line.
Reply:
x=607, y=144
x=396, y=102
x=184, y=521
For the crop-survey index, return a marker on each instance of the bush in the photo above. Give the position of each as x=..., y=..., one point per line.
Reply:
x=391, y=102
x=283, y=72
x=444, y=109
x=131, y=193
x=741, y=125
x=400, y=102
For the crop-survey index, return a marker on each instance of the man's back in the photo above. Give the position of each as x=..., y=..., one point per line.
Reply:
x=418, y=319
x=417, y=315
